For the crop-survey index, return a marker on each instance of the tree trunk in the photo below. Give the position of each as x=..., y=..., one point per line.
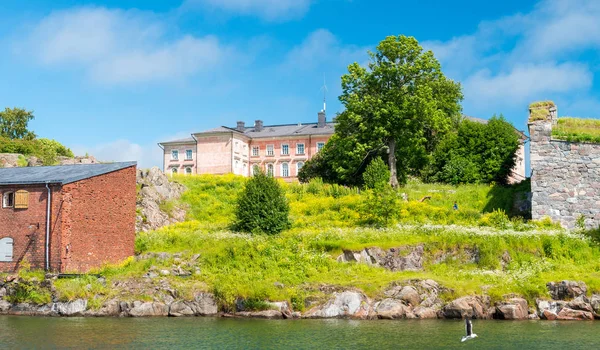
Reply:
x=392, y=163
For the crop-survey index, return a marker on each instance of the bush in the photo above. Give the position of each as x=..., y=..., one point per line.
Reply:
x=262, y=206
x=380, y=208
x=377, y=172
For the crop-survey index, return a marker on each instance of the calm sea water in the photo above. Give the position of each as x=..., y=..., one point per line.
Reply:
x=220, y=333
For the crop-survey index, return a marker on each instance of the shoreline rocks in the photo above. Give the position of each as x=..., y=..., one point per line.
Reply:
x=412, y=299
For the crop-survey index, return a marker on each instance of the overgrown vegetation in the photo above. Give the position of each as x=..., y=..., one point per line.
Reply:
x=476, y=152
x=15, y=137
x=262, y=206
x=295, y=263
x=577, y=130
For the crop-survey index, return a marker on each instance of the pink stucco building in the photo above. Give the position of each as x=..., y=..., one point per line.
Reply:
x=280, y=150
x=277, y=149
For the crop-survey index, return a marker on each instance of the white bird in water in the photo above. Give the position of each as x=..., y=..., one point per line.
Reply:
x=469, y=329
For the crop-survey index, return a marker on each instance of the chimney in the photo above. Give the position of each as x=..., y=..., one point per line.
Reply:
x=241, y=126
x=322, y=119
x=258, y=125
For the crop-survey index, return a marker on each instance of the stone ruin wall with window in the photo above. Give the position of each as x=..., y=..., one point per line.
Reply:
x=565, y=179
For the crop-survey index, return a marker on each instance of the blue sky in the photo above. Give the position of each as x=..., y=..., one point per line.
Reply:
x=113, y=78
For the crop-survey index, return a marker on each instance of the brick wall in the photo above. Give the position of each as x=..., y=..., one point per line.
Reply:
x=98, y=221
x=27, y=228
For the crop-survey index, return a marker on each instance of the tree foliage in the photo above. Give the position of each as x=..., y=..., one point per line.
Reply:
x=398, y=106
x=377, y=172
x=262, y=206
x=14, y=123
x=380, y=208
x=476, y=152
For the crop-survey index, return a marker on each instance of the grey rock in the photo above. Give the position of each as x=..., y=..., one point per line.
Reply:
x=4, y=306
x=393, y=259
x=595, y=302
x=512, y=309
x=149, y=309
x=570, y=314
x=72, y=308
x=268, y=314
x=391, y=309
x=348, y=304
x=467, y=307
x=181, y=308
x=581, y=303
x=566, y=289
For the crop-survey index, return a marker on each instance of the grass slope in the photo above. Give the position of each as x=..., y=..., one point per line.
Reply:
x=326, y=221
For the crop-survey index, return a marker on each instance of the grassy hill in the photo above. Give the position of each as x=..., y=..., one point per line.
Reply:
x=476, y=249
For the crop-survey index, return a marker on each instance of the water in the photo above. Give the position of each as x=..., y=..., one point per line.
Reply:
x=221, y=333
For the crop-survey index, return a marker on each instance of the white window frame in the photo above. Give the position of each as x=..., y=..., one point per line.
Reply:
x=190, y=153
x=285, y=170
x=5, y=199
x=188, y=170
x=287, y=147
x=271, y=169
x=174, y=154
x=245, y=169
x=270, y=150
x=255, y=169
x=320, y=146
x=299, y=166
x=257, y=149
x=298, y=148
x=5, y=242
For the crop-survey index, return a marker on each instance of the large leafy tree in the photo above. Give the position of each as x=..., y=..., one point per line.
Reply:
x=476, y=152
x=14, y=123
x=398, y=105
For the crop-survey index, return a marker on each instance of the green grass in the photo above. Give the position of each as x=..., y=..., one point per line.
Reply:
x=577, y=130
x=326, y=221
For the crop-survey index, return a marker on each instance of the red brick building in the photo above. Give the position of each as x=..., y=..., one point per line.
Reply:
x=67, y=218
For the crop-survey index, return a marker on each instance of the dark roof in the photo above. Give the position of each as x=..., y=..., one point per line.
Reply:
x=185, y=140
x=62, y=174
x=277, y=130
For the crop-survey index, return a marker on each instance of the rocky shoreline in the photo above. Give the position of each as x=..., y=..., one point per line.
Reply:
x=415, y=299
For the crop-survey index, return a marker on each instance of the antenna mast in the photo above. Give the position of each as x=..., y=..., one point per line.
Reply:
x=324, y=88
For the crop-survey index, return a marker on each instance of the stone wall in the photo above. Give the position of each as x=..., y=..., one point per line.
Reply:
x=565, y=179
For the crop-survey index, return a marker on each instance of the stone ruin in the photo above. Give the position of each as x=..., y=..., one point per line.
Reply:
x=565, y=176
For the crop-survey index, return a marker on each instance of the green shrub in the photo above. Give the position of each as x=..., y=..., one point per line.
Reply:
x=381, y=206
x=377, y=172
x=262, y=206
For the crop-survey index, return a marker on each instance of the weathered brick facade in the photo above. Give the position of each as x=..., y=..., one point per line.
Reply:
x=92, y=223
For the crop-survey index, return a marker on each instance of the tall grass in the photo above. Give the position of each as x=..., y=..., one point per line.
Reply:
x=577, y=130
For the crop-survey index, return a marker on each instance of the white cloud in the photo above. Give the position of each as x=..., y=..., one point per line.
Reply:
x=270, y=10
x=124, y=150
x=322, y=47
x=515, y=59
x=525, y=83
x=115, y=46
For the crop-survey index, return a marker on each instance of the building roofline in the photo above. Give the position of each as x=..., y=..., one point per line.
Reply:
x=67, y=180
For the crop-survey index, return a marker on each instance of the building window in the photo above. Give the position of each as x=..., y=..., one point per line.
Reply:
x=299, y=166
x=173, y=171
x=300, y=148
x=245, y=173
x=255, y=169
x=188, y=171
x=255, y=150
x=188, y=154
x=175, y=154
x=320, y=146
x=285, y=170
x=6, y=249
x=21, y=200
x=270, y=169
x=285, y=150
x=8, y=200
x=270, y=151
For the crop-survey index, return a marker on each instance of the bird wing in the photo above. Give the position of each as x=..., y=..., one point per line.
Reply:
x=469, y=327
